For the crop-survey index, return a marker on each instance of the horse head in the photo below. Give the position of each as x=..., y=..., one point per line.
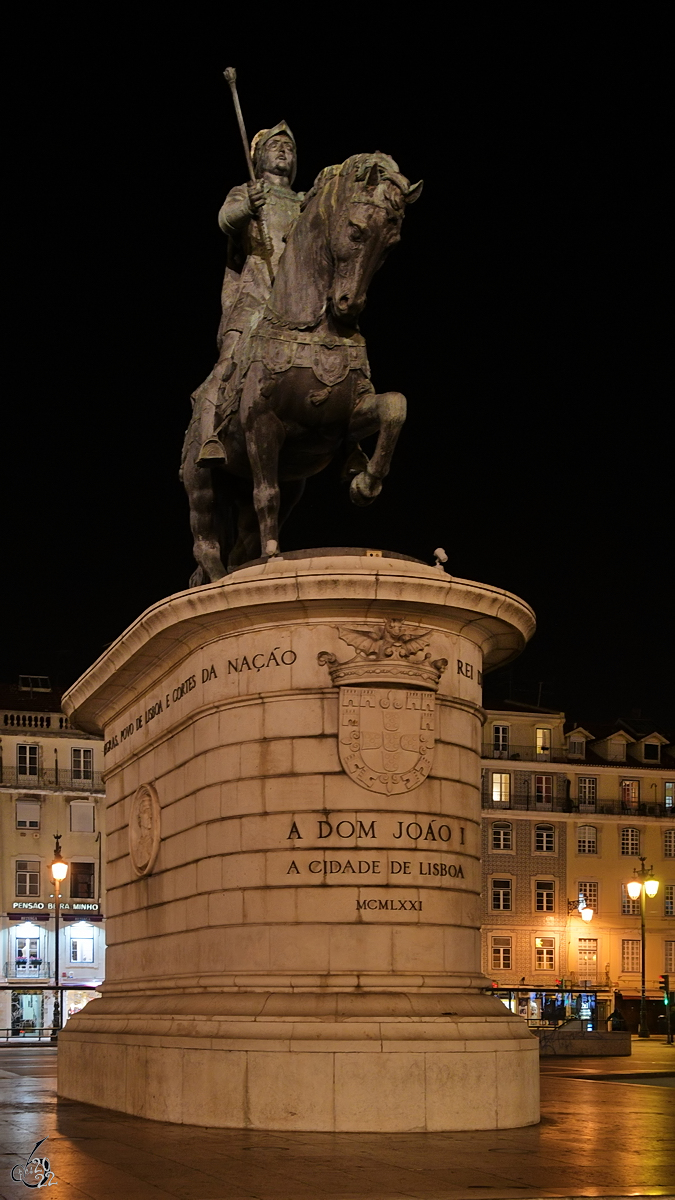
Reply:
x=350, y=219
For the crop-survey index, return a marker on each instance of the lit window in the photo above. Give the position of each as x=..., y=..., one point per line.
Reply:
x=82, y=881
x=587, y=839
x=630, y=955
x=502, y=835
x=501, y=894
x=544, y=953
x=669, y=843
x=629, y=908
x=630, y=841
x=501, y=954
x=28, y=814
x=670, y=956
x=587, y=791
x=27, y=761
x=588, y=958
x=543, y=743
x=544, y=895
x=82, y=762
x=544, y=839
x=501, y=789
x=27, y=878
x=81, y=817
x=669, y=793
x=669, y=900
x=500, y=739
x=82, y=950
x=589, y=891
x=630, y=794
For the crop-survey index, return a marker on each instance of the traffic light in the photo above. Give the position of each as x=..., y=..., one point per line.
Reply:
x=664, y=984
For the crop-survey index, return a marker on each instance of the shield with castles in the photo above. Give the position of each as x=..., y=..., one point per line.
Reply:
x=386, y=737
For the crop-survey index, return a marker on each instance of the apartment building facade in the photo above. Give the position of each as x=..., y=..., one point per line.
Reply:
x=570, y=812
x=50, y=783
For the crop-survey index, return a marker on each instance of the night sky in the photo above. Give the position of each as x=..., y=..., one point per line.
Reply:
x=522, y=315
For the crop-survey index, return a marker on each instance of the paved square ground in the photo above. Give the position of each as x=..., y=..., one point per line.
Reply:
x=607, y=1129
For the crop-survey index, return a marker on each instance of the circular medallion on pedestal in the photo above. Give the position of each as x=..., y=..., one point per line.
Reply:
x=144, y=831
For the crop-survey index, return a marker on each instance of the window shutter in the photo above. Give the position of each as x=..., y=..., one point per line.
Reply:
x=27, y=814
x=81, y=817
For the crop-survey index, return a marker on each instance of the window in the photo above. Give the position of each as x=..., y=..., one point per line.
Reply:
x=669, y=956
x=82, y=950
x=82, y=881
x=589, y=891
x=669, y=900
x=543, y=743
x=501, y=894
x=544, y=839
x=82, y=762
x=502, y=835
x=669, y=843
x=26, y=949
x=629, y=908
x=650, y=751
x=27, y=878
x=577, y=747
x=630, y=794
x=630, y=955
x=501, y=954
x=544, y=953
x=34, y=683
x=544, y=891
x=543, y=790
x=588, y=959
x=81, y=817
x=587, y=839
x=501, y=789
x=669, y=793
x=500, y=740
x=28, y=814
x=27, y=761
x=630, y=841
x=587, y=792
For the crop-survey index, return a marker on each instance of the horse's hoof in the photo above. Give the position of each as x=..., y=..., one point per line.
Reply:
x=364, y=488
x=271, y=549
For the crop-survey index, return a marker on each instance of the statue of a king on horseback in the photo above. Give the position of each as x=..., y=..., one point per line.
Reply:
x=291, y=387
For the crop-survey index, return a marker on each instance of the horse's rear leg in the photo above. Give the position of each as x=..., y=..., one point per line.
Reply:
x=264, y=434
x=385, y=414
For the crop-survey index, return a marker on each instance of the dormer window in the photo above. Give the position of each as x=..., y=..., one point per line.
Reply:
x=617, y=750
x=651, y=751
x=577, y=748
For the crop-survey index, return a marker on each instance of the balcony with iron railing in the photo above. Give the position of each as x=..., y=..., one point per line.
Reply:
x=20, y=969
x=530, y=754
x=523, y=801
x=62, y=779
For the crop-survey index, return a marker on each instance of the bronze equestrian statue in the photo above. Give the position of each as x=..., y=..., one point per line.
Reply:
x=292, y=385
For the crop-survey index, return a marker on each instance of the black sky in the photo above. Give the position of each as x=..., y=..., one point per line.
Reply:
x=523, y=316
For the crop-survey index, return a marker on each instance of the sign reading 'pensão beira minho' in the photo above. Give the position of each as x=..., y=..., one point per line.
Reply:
x=292, y=747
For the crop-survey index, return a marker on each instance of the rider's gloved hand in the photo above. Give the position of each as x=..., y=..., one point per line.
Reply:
x=256, y=196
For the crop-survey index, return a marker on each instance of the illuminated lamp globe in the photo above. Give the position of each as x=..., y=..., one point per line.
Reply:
x=634, y=888
x=587, y=914
x=652, y=887
x=59, y=870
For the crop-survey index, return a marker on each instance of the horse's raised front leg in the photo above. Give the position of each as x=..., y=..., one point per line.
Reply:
x=384, y=414
x=264, y=434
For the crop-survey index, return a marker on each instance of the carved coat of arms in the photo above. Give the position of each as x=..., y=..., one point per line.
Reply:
x=386, y=729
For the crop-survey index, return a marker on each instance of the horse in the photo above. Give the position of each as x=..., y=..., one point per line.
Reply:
x=302, y=383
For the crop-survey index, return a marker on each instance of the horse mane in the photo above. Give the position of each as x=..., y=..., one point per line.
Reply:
x=300, y=292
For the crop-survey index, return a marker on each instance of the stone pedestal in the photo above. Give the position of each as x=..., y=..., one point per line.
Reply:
x=293, y=846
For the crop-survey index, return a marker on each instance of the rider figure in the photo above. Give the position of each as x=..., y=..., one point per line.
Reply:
x=247, y=285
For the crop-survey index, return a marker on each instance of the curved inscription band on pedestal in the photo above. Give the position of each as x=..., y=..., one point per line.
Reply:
x=144, y=829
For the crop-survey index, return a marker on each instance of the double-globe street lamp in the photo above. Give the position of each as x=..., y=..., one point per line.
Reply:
x=641, y=885
x=59, y=870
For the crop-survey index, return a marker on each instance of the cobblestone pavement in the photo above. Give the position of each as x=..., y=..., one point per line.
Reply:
x=600, y=1135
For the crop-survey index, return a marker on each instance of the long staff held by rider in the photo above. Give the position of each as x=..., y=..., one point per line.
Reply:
x=231, y=77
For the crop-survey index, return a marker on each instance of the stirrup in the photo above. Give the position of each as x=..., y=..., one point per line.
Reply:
x=212, y=453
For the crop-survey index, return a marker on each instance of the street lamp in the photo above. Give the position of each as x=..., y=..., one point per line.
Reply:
x=584, y=910
x=59, y=870
x=643, y=884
